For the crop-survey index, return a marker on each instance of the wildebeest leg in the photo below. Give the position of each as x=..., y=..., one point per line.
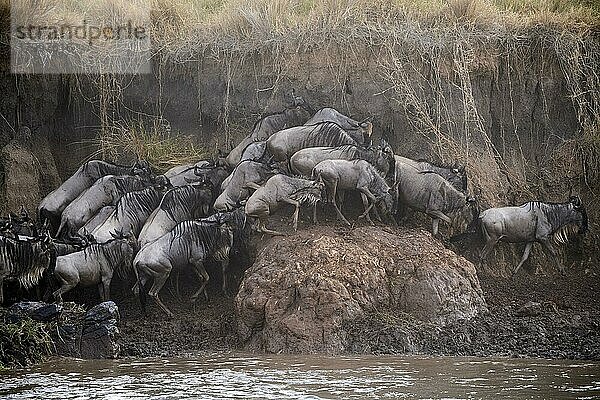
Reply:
x=66, y=283
x=224, y=268
x=199, y=269
x=341, y=198
x=364, y=191
x=315, y=213
x=1, y=290
x=437, y=215
x=105, y=293
x=296, y=211
x=524, y=258
x=489, y=246
x=64, y=288
x=138, y=288
x=262, y=227
x=333, y=199
x=160, y=277
x=435, y=226
x=554, y=254
x=367, y=207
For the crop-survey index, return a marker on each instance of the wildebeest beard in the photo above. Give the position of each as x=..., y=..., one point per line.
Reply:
x=309, y=195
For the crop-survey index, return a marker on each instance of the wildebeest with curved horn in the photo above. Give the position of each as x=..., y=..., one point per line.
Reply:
x=237, y=189
x=255, y=151
x=97, y=220
x=532, y=222
x=280, y=189
x=263, y=128
x=357, y=175
x=354, y=128
x=283, y=144
x=184, y=174
x=104, y=192
x=455, y=174
x=95, y=265
x=130, y=213
x=189, y=243
x=382, y=157
x=212, y=176
x=54, y=203
x=177, y=205
x=430, y=193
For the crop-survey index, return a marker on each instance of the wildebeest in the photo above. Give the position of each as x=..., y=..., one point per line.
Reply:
x=237, y=189
x=255, y=151
x=303, y=161
x=104, y=192
x=428, y=192
x=212, y=176
x=532, y=222
x=18, y=225
x=268, y=125
x=189, y=243
x=360, y=131
x=280, y=189
x=283, y=144
x=357, y=175
x=455, y=174
x=60, y=248
x=97, y=220
x=95, y=265
x=184, y=174
x=23, y=260
x=54, y=203
x=177, y=205
x=130, y=213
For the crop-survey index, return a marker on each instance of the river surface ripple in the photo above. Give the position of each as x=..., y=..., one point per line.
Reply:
x=245, y=376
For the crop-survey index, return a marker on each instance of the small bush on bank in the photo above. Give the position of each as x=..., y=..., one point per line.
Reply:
x=24, y=343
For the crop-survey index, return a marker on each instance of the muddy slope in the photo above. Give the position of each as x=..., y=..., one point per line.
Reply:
x=563, y=322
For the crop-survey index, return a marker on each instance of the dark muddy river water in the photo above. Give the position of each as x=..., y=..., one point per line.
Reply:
x=304, y=377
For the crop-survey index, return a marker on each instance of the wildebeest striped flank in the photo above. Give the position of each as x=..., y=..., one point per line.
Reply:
x=130, y=214
x=189, y=243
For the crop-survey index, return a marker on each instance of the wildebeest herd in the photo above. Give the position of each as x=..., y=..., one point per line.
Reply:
x=109, y=218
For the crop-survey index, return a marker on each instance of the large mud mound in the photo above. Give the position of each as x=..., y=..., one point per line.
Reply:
x=304, y=289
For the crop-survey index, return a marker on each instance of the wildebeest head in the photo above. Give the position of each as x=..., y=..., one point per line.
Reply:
x=310, y=193
x=214, y=174
x=460, y=172
x=580, y=209
x=161, y=182
x=387, y=203
x=23, y=214
x=128, y=238
x=6, y=229
x=142, y=169
x=366, y=128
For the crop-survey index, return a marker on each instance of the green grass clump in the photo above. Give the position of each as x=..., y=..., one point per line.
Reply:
x=24, y=343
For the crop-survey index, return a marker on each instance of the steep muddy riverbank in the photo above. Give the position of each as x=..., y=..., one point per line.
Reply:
x=542, y=315
x=566, y=325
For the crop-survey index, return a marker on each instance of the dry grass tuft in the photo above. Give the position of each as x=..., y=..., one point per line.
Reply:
x=156, y=144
